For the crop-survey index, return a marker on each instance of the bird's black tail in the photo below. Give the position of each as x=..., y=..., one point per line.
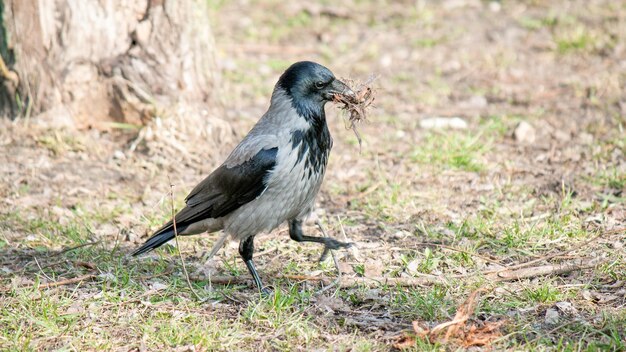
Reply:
x=165, y=234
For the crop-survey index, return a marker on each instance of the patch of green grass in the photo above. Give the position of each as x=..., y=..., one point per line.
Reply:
x=278, y=64
x=26, y=314
x=536, y=23
x=59, y=143
x=544, y=293
x=385, y=202
x=575, y=335
x=283, y=27
x=506, y=232
x=498, y=126
x=283, y=310
x=615, y=269
x=180, y=328
x=430, y=305
x=427, y=261
x=43, y=232
x=427, y=42
x=475, y=227
x=530, y=237
x=452, y=150
x=215, y=5
x=576, y=39
x=611, y=178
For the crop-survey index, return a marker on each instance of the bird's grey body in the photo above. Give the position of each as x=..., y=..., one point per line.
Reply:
x=291, y=190
x=273, y=175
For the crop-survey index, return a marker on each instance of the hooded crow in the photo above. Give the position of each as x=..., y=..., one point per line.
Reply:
x=273, y=175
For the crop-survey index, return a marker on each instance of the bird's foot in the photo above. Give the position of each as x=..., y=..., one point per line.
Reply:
x=331, y=243
x=266, y=291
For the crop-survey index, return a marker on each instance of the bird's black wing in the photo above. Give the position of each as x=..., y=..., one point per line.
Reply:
x=228, y=188
x=222, y=192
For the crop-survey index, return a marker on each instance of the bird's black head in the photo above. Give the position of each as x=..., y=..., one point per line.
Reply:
x=310, y=86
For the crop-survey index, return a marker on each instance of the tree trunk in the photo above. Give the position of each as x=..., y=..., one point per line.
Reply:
x=83, y=62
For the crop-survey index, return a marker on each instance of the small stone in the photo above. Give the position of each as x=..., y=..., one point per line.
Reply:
x=501, y=291
x=477, y=101
x=587, y=295
x=228, y=65
x=386, y=61
x=106, y=229
x=585, y=138
x=443, y=123
x=108, y=277
x=75, y=308
x=6, y=270
x=525, y=133
x=400, y=234
x=616, y=155
x=374, y=294
x=413, y=266
x=157, y=286
x=566, y=307
x=373, y=269
x=552, y=316
x=119, y=155
x=265, y=70
x=583, y=205
x=562, y=136
x=58, y=117
x=495, y=6
x=330, y=304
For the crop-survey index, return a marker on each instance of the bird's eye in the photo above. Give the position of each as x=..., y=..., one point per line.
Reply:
x=319, y=84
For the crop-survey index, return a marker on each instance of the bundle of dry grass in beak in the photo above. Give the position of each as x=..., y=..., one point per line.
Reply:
x=356, y=105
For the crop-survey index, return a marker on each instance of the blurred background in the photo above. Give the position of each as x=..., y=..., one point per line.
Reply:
x=496, y=138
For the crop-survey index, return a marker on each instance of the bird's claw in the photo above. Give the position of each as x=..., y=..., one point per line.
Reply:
x=332, y=243
x=266, y=291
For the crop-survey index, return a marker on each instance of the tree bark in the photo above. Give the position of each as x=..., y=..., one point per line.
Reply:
x=84, y=62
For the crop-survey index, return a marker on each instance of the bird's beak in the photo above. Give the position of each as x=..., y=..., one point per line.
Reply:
x=338, y=87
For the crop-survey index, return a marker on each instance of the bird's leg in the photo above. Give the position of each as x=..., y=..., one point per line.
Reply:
x=296, y=234
x=246, y=250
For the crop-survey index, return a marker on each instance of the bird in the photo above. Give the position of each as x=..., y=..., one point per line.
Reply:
x=272, y=176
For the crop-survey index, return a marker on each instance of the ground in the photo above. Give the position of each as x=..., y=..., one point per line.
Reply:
x=440, y=213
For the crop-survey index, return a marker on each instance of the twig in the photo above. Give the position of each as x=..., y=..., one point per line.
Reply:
x=40, y=269
x=356, y=104
x=344, y=282
x=180, y=254
x=551, y=256
x=66, y=282
x=347, y=282
x=368, y=191
x=543, y=270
